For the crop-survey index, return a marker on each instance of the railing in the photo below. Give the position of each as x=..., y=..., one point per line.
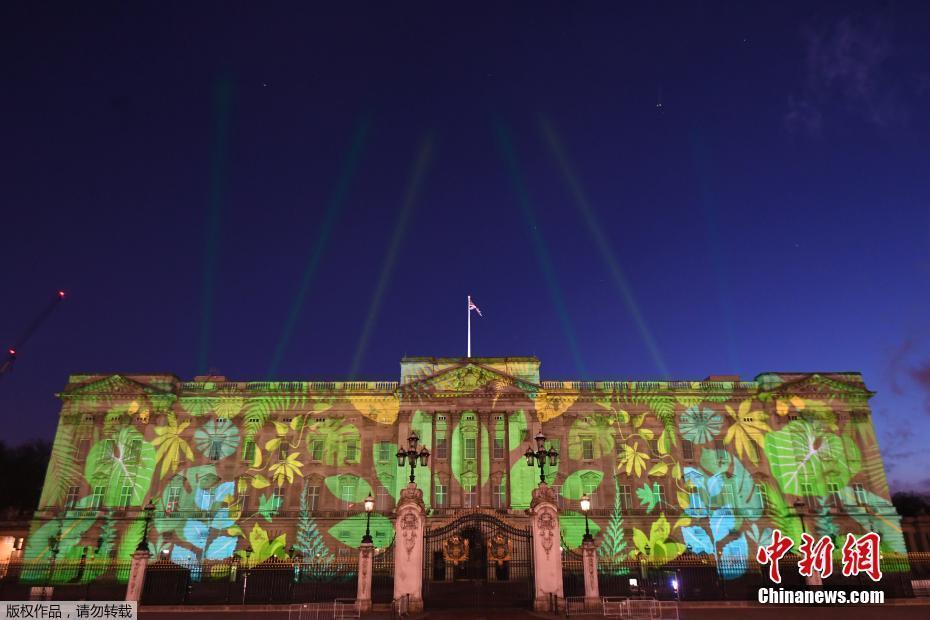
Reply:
x=400, y=607
x=336, y=610
x=635, y=387
x=287, y=387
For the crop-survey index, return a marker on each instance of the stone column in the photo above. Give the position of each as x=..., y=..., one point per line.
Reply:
x=592, y=597
x=363, y=594
x=408, y=547
x=140, y=560
x=547, y=554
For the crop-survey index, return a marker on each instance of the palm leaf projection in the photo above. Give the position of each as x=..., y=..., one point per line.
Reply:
x=171, y=445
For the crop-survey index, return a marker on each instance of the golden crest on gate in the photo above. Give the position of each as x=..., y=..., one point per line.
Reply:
x=499, y=549
x=455, y=550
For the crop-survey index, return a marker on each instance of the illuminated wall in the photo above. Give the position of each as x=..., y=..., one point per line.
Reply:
x=261, y=469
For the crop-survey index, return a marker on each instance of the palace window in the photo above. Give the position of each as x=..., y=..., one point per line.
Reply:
x=277, y=498
x=313, y=497
x=107, y=451
x=73, y=493
x=471, y=495
x=352, y=450
x=382, y=499
x=96, y=499
x=498, y=447
x=83, y=448
x=173, y=499
x=687, y=450
x=833, y=494
x=589, y=484
x=441, y=494
x=349, y=486
x=761, y=498
x=125, y=493
x=470, y=447
x=248, y=451
x=861, y=497
x=626, y=497
x=316, y=450
x=720, y=450
x=242, y=496
x=134, y=449
x=282, y=450
x=557, y=489
x=587, y=448
x=499, y=495
x=654, y=446
x=442, y=448
x=385, y=454
x=807, y=490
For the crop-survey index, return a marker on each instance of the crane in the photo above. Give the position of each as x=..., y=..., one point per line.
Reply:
x=36, y=323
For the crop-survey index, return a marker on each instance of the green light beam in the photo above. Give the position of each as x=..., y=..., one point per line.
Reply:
x=333, y=209
x=505, y=143
x=222, y=103
x=400, y=226
x=603, y=245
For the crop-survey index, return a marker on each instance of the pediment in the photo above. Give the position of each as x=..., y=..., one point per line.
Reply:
x=823, y=387
x=468, y=379
x=115, y=385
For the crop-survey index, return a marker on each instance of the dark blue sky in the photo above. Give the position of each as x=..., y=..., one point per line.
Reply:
x=185, y=171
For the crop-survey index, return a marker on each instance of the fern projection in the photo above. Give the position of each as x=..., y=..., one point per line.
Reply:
x=62, y=468
x=309, y=541
x=107, y=537
x=613, y=546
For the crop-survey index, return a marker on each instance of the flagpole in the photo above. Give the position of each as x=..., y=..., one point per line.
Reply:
x=468, y=310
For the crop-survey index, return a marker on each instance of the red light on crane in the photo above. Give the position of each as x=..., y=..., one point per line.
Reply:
x=61, y=294
x=12, y=352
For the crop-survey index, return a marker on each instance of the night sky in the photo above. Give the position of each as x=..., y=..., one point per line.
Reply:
x=628, y=190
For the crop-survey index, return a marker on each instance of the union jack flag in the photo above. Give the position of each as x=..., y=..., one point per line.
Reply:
x=472, y=306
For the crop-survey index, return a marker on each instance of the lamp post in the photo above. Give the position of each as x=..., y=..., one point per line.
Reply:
x=585, y=507
x=369, y=506
x=411, y=455
x=144, y=543
x=539, y=457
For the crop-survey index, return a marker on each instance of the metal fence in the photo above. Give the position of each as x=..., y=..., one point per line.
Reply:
x=68, y=580
x=230, y=583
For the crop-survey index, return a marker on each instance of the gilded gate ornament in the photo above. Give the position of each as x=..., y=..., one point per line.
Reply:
x=455, y=550
x=499, y=549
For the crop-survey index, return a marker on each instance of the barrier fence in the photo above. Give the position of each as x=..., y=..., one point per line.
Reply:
x=688, y=577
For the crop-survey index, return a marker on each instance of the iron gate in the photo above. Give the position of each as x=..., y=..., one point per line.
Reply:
x=382, y=575
x=477, y=561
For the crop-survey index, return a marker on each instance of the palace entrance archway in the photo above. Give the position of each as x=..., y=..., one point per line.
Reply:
x=477, y=561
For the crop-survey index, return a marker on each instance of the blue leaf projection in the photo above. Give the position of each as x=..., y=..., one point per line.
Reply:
x=697, y=539
x=733, y=558
x=195, y=532
x=183, y=556
x=222, y=520
x=721, y=522
x=715, y=485
x=221, y=548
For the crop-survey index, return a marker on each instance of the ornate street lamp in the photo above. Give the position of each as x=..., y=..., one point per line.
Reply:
x=540, y=455
x=411, y=455
x=144, y=543
x=369, y=506
x=585, y=507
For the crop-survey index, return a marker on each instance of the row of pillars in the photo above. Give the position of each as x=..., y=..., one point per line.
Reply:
x=410, y=526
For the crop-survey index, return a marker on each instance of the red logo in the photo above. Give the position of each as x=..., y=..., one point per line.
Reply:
x=862, y=556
